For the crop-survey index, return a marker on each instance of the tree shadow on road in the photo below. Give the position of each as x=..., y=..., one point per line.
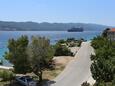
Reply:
x=48, y=82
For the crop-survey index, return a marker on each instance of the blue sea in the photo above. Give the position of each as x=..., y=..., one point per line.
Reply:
x=54, y=36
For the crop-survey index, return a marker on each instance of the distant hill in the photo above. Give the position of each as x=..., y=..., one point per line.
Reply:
x=33, y=26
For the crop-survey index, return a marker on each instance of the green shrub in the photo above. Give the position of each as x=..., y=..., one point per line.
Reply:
x=61, y=41
x=72, y=44
x=92, y=57
x=103, y=66
x=79, y=43
x=85, y=84
x=6, y=75
x=62, y=50
x=102, y=70
x=102, y=83
x=70, y=39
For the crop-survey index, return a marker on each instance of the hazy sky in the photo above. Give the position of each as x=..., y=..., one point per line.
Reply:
x=79, y=11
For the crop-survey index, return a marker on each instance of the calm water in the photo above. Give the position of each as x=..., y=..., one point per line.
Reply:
x=54, y=36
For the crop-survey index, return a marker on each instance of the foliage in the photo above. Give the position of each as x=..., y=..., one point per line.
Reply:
x=6, y=75
x=102, y=70
x=40, y=54
x=61, y=41
x=17, y=54
x=103, y=66
x=71, y=42
x=98, y=42
x=104, y=34
x=33, y=56
x=70, y=39
x=92, y=57
x=62, y=50
x=102, y=83
x=1, y=61
x=79, y=43
x=85, y=84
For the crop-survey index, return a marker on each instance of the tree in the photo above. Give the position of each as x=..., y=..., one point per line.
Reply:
x=104, y=34
x=40, y=54
x=17, y=55
x=103, y=66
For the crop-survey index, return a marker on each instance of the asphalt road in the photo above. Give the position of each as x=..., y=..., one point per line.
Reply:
x=78, y=70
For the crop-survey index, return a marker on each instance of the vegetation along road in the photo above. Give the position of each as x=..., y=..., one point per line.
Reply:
x=78, y=70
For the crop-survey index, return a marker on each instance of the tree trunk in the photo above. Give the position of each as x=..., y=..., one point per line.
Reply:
x=38, y=72
x=40, y=76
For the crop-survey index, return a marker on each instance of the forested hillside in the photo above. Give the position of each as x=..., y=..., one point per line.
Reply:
x=45, y=26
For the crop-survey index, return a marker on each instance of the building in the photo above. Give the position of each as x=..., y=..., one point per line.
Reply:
x=111, y=34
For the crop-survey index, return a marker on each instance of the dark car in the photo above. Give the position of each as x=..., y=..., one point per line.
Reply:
x=26, y=81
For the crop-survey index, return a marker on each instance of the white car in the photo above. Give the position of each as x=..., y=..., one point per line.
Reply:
x=26, y=81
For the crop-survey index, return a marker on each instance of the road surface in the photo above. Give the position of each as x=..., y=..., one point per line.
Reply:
x=78, y=70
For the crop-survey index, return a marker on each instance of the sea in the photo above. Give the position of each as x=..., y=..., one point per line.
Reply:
x=53, y=36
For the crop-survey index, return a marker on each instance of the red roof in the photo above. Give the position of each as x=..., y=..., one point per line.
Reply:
x=112, y=30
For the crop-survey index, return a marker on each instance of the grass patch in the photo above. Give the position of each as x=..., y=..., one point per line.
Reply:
x=51, y=74
x=4, y=83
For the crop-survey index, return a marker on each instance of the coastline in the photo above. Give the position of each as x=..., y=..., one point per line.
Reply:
x=54, y=36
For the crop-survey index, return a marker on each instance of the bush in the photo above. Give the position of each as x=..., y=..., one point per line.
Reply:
x=61, y=41
x=103, y=66
x=102, y=83
x=92, y=57
x=6, y=75
x=72, y=44
x=79, y=42
x=85, y=84
x=71, y=39
x=102, y=70
x=62, y=50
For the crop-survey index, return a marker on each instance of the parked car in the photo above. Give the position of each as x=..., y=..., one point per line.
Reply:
x=26, y=81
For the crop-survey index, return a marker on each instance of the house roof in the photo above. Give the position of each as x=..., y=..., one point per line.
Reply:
x=112, y=30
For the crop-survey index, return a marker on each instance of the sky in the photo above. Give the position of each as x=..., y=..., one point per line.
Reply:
x=59, y=11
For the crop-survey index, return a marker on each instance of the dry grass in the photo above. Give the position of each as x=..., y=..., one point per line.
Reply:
x=51, y=74
x=60, y=63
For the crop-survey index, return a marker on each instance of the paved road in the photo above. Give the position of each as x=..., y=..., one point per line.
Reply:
x=78, y=70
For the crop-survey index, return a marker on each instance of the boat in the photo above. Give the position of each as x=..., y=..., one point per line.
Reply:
x=76, y=29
